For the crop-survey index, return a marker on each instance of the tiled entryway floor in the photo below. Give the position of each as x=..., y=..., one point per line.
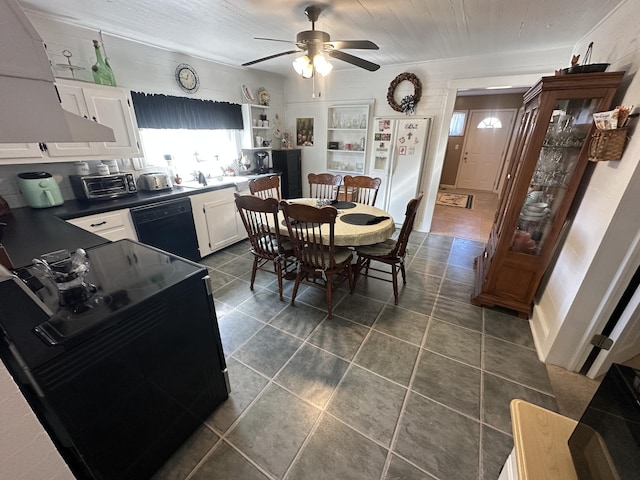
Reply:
x=415, y=391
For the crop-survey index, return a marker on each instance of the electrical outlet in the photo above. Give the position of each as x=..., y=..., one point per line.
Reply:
x=126, y=162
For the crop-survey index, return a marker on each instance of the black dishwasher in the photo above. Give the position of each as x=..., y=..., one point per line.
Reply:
x=168, y=226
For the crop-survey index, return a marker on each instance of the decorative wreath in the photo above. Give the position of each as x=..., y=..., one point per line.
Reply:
x=408, y=103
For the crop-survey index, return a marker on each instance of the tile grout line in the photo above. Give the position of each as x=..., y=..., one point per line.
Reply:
x=414, y=372
x=324, y=409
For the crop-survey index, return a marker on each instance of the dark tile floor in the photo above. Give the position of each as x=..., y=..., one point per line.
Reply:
x=415, y=391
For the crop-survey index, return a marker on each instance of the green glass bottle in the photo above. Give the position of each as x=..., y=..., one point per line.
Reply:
x=102, y=74
x=106, y=61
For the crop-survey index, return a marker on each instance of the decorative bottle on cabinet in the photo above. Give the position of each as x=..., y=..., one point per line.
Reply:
x=102, y=74
x=550, y=154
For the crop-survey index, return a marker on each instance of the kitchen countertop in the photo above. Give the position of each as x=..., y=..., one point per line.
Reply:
x=31, y=232
x=540, y=439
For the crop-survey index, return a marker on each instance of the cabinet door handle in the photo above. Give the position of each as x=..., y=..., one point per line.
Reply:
x=94, y=119
x=104, y=222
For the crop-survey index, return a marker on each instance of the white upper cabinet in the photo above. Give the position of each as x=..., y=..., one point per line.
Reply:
x=109, y=106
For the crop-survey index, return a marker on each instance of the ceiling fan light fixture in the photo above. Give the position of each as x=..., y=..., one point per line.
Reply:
x=321, y=65
x=300, y=64
x=307, y=72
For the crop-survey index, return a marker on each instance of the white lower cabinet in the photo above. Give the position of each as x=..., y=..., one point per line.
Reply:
x=510, y=468
x=218, y=224
x=113, y=226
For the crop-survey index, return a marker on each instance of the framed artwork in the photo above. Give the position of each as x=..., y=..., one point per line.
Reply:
x=304, y=132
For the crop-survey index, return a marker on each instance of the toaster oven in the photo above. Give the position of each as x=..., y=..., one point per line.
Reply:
x=103, y=187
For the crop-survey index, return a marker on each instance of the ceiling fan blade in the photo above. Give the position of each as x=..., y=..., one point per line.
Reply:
x=270, y=57
x=357, y=61
x=273, y=40
x=355, y=44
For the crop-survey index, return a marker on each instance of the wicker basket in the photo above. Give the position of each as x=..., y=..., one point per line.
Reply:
x=607, y=144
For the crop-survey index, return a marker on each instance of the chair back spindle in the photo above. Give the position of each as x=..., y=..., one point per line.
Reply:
x=324, y=185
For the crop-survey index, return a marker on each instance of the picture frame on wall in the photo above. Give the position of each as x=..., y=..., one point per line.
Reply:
x=304, y=132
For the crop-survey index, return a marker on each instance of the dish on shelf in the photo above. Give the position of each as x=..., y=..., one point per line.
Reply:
x=263, y=96
x=247, y=94
x=532, y=217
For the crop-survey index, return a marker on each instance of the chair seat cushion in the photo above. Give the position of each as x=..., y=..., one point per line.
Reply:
x=269, y=243
x=340, y=255
x=377, y=249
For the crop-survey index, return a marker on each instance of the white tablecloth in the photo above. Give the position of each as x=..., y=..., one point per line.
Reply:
x=347, y=235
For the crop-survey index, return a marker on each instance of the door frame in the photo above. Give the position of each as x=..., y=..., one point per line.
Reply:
x=610, y=299
x=499, y=171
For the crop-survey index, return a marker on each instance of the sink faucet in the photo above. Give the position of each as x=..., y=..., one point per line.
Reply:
x=202, y=179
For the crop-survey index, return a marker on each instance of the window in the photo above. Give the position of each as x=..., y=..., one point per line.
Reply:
x=206, y=151
x=456, y=127
x=490, y=122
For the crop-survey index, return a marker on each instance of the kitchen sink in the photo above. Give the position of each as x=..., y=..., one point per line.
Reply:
x=238, y=182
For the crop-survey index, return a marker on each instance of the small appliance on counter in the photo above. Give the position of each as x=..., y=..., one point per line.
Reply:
x=103, y=187
x=153, y=182
x=261, y=158
x=40, y=189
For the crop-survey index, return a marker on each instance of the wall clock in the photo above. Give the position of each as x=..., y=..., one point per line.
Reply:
x=187, y=78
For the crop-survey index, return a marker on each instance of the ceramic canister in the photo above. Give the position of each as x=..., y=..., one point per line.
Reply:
x=103, y=169
x=82, y=168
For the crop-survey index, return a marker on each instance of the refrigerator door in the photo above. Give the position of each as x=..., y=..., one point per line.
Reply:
x=381, y=156
x=411, y=135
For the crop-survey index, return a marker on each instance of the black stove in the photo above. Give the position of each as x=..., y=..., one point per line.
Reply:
x=123, y=273
x=121, y=380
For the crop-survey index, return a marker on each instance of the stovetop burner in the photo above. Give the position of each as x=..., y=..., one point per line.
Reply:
x=124, y=273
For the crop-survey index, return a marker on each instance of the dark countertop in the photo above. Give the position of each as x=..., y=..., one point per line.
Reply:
x=31, y=232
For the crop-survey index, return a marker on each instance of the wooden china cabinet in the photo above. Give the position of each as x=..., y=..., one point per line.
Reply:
x=549, y=158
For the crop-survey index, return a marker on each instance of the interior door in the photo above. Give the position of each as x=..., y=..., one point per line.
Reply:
x=484, y=148
x=626, y=339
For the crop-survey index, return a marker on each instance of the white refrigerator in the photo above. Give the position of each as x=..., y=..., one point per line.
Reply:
x=398, y=156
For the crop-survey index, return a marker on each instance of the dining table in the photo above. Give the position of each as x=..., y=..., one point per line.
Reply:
x=357, y=224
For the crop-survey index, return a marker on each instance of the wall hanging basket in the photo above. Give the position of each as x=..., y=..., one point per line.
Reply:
x=607, y=144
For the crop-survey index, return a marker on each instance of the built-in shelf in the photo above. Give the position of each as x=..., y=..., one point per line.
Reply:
x=347, y=125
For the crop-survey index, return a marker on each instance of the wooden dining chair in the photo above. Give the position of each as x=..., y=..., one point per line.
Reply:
x=361, y=189
x=390, y=252
x=320, y=263
x=271, y=252
x=265, y=187
x=324, y=185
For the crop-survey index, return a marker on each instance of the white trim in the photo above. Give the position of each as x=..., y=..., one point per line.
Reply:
x=610, y=299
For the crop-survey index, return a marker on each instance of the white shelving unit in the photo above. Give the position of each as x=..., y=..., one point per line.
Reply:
x=347, y=137
x=251, y=112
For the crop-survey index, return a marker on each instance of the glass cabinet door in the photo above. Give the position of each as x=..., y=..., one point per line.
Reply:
x=566, y=134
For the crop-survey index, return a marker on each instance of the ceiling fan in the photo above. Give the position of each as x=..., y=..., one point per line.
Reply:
x=316, y=43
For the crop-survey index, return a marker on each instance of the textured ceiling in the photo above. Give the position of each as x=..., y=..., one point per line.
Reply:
x=407, y=31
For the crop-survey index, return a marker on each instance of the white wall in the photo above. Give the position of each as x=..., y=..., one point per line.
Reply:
x=607, y=219
x=26, y=452
x=137, y=67
x=440, y=81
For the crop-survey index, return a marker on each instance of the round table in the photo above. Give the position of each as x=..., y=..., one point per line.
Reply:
x=348, y=235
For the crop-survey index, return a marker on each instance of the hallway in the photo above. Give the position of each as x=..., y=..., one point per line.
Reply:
x=469, y=223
